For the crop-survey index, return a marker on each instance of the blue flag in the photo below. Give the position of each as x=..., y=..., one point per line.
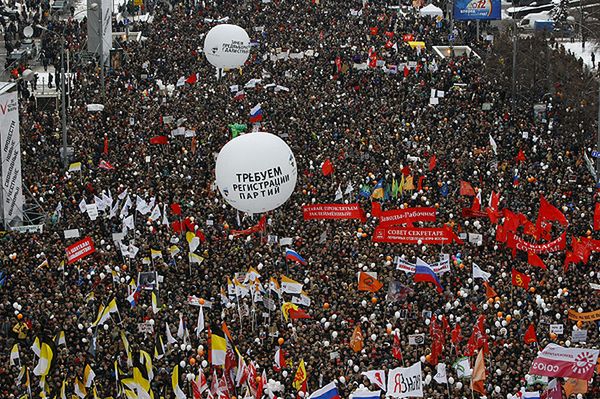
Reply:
x=444, y=190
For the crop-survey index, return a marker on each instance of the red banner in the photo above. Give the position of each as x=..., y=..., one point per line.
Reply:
x=402, y=216
x=411, y=235
x=260, y=226
x=472, y=213
x=80, y=249
x=516, y=242
x=333, y=211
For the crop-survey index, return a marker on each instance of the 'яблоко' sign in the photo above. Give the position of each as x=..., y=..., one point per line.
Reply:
x=80, y=249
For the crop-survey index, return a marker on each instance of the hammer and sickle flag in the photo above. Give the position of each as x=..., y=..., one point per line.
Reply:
x=367, y=281
x=520, y=279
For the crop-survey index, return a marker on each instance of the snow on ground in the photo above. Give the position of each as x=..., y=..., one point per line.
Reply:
x=585, y=53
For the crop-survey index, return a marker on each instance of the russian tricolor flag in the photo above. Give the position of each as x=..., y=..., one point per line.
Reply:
x=256, y=114
x=365, y=394
x=294, y=256
x=329, y=391
x=424, y=272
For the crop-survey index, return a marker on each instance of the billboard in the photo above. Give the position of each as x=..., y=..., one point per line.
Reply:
x=465, y=10
x=11, y=191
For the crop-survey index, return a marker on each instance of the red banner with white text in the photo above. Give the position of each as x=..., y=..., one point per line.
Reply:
x=517, y=242
x=333, y=211
x=409, y=215
x=79, y=250
x=411, y=235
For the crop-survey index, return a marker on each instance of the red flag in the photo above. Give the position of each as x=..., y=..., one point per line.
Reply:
x=159, y=140
x=456, y=337
x=535, y=260
x=549, y=212
x=466, y=189
x=512, y=220
x=338, y=64
x=501, y=235
x=520, y=279
x=327, y=167
x=105, y=165
x=432, y=162
x=476, y=206
x=193, y=78
x=176, y=226
x=530, y=336
x=374, y=31
x=420, y=183
x=298, y=314
x=520, y=156
x=105, y=150
x=373, y=60
x=489, y=290
x=570, y=257
x=478, y=338
x=396, y=348
x=406, y=71
x=176, y=209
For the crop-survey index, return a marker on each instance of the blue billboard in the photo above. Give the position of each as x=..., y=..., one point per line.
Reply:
x=465, y=10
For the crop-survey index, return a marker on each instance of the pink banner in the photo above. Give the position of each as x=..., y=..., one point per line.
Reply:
x=553, y=246
x=410, y=235
x=333, y=211
x=557, y=361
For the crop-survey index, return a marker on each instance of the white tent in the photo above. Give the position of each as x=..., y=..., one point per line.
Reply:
x=431, y=10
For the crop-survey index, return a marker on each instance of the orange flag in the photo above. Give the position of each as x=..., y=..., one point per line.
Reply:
x=478, y=379
x=357, y=340
x=489, y=291
x=573, y=385
x=368, y=282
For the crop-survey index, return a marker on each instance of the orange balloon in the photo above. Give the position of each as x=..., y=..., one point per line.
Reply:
x=360, y=229
x=531, y=289
x=326, y=305
x=192, y=361
x=499, y=315
x=508, y=318
x=553, y=336
x=579, y=324
x=373, y=300
x=124, y=267
x=491, y=300
x=258, y=378
x=201, y=301
x=281, y=341
x=19, y=316
x=428, y=358
x=364, y=235
x=388, y=330
x=497, y=299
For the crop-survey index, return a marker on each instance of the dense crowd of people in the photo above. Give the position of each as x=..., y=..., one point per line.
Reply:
x=372, y=124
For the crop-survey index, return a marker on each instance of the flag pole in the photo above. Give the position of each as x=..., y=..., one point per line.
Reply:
x=238, y=304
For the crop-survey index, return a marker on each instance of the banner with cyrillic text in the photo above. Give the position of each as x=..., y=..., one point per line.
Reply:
x=409, y=215
x=410, y=235
x=80, y=249
x=333, y=211
x=553, y=246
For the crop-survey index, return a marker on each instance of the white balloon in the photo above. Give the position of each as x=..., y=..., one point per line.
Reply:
x=227, y=46
x=256, y=172
x=204, y=364
x=459, y=385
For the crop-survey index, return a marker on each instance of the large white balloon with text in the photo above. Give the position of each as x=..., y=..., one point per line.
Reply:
x=256, y=172
x=227, y=46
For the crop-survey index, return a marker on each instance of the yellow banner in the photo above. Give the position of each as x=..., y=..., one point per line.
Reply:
x=586, y=316
x=416, y=44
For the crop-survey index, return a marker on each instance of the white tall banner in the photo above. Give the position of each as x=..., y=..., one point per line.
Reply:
x=99, y=27
x=404, y=382
x=10, y=155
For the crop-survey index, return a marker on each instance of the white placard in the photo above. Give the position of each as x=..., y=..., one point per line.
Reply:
x=92, y=211
x=416, y=339
x=556, y=329
x=404, y=382
x=579, y=336
x=72, y=233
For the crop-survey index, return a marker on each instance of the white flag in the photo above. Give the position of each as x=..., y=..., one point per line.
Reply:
x=155, y=215
x=441, y=376
x=180, y=330
x=349, y=188
x=338, y=193
x=200, y=326
x=376, y=377
x=478, y=273
x=493, y=145
x=83, y=206
x=170, y=339
x=165, y=221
